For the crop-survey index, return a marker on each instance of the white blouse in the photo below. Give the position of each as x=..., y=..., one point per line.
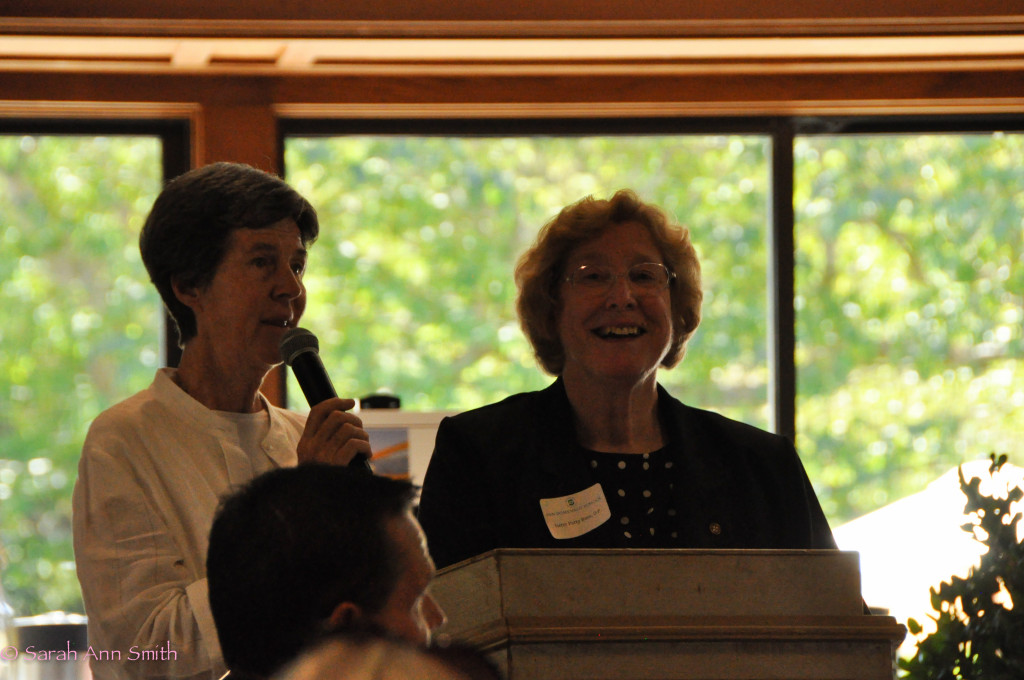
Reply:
x=153, y=471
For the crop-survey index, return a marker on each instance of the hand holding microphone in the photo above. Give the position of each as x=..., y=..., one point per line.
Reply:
x=300, y=349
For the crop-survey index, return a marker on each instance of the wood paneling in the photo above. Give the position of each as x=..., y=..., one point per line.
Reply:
x=510, y=17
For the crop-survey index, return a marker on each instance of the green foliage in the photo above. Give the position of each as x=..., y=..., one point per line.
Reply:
x=909, y=286
x=411, y=282
x=907, y=296
x=910, y=305
x=80, y=331
x=979, y=619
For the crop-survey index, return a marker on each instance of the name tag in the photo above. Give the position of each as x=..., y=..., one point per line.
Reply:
x=576, y=514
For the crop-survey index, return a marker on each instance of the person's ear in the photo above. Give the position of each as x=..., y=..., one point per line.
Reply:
x=186, y=291
x=345, y=615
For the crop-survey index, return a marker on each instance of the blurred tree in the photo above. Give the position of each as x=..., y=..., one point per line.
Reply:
x=908, y=271
x=910, y=298
x=906, y=295
x=411, y=284
x=81, y=330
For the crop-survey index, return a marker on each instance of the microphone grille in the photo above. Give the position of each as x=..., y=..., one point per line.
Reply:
x=296, y=341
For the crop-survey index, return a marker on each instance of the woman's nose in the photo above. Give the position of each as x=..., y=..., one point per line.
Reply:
x=289, y=284
x=621, y=293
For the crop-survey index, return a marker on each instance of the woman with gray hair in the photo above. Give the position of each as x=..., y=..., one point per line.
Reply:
x=226, y=246
x=605, y=457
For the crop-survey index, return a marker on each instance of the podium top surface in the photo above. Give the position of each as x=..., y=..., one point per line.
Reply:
x=651, y=583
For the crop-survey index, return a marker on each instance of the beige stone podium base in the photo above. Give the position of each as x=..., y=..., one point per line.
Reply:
x=666, y=614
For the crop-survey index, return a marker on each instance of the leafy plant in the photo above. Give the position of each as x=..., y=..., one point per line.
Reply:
x=980, y=619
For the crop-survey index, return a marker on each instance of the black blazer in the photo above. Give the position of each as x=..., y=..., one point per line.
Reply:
x=742, y=487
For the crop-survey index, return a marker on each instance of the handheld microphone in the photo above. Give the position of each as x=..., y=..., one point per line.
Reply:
x=301, y=351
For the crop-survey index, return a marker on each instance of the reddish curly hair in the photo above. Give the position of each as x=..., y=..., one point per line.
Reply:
x=540, y=270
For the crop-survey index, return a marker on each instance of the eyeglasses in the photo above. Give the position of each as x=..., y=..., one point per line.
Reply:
x=645, y=277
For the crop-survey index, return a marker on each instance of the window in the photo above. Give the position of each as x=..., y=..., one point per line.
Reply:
x=410, y=283
x=82, y=329
x=910, y=298
x=906, y=262
x=909, y=302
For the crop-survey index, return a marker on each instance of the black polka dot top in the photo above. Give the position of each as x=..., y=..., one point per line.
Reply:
x=639, y=490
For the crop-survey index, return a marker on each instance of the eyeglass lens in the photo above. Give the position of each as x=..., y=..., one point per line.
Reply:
x=647, y=275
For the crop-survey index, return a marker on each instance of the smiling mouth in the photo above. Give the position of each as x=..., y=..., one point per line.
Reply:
x=617, y=332
x=278, y=323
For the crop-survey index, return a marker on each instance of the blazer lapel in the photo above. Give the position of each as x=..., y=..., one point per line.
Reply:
x=699, y=459
x=558, y=445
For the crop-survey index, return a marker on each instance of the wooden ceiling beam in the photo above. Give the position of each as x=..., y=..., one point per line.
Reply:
x=508, y=18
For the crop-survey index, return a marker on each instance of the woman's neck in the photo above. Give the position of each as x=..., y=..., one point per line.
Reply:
x=216, y=386
x=616, y=418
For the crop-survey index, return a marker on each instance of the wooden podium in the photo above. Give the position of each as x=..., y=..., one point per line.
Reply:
x=665, y=614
